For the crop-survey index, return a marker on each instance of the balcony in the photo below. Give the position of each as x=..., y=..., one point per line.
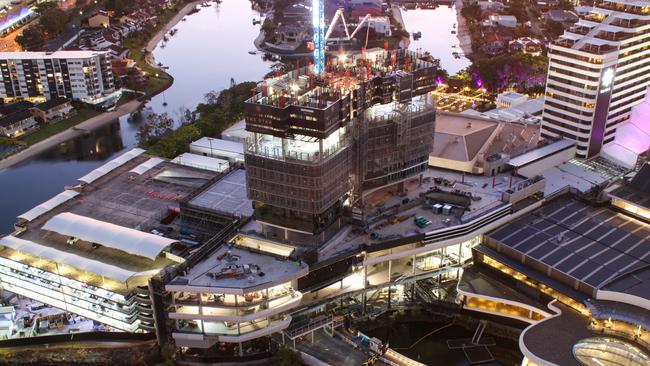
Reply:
x=238, y=315
x=638, y=10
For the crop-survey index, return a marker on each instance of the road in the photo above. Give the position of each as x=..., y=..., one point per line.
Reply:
x=8, y=43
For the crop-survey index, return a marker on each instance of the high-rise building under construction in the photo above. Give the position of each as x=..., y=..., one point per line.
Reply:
x=321, y=140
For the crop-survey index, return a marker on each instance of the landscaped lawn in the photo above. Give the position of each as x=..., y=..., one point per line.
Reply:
x=52, y=129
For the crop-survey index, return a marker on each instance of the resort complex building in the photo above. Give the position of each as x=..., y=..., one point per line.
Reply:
x=598, y=70
x=85, y=76
x=344, y=209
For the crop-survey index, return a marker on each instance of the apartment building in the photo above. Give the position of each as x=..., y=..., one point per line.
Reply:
x=598, y=70
x=85, y=76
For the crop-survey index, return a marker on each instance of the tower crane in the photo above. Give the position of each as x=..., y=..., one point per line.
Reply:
x=321, y=34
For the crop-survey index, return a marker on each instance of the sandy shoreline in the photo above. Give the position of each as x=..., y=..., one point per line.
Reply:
x=153, y=42
x=464, y=39
x=102, y=119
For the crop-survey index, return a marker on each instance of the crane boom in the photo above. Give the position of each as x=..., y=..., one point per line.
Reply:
x=321, y=35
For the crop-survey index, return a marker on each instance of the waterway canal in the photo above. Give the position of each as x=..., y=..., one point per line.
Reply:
x=436, y=26
x=209, y=49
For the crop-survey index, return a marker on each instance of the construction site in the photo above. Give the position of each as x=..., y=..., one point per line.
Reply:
x=361, y=123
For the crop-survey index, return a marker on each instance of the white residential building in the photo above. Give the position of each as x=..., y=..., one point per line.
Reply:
x=39, y=76
x=510, y=99
x=598, y=70
x=508, y=21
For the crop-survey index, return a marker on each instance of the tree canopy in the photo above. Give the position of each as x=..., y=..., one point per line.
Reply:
x=218, y=112
x=54, y=20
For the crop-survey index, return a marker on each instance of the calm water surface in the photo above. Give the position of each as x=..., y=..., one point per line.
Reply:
x=436, y=26
x=210, y=47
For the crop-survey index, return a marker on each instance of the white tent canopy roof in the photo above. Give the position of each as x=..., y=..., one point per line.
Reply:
x=144, y=167
x=109, y=235
x=49, y=205
x=70, y=259
x=111, y=165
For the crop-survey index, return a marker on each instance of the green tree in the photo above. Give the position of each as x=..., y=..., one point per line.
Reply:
x=40, y=8
x=54, y=20
x=471, y=11
x=120, y=7
x=553, y=29
x=32, y=38
x=285, y=356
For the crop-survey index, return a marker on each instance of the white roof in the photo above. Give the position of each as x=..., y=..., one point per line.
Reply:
x=107, y=234
x=202, y=162
x=49, y=55
x=70, y=259
x=111, y=165
x=142, y=168
x=540, y=153
x=219, y=145
x=48, y=205
x=236, y=132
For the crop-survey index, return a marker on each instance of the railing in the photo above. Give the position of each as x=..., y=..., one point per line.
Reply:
x=468, y=227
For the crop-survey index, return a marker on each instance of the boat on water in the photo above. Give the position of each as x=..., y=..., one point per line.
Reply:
x=453, y=32
x=173, y=31
x=252, y=52
x=417, y=35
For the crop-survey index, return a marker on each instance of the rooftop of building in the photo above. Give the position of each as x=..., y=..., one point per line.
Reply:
x=241, y=269
x=546, y=150
x=236, y=132
x=596, y=246
x=343, y=74
x=463, y=137
x=15, y=117
x=50, y=55
x=226, y=196
x=10, y=108
x=219, y=144
x=581, y=175
x=552, y=340
x=123, y=204
x=477, y=280
x=637, y=191
x=54, y=102
x=385, y=225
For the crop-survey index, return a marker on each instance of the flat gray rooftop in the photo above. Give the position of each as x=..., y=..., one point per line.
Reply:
x=476, y=281
x=262, y=269
x=135, y=201
x=228, y=196
x=480, y=186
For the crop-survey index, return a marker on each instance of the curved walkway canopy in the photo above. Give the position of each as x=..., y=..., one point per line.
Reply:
x=70, y=259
